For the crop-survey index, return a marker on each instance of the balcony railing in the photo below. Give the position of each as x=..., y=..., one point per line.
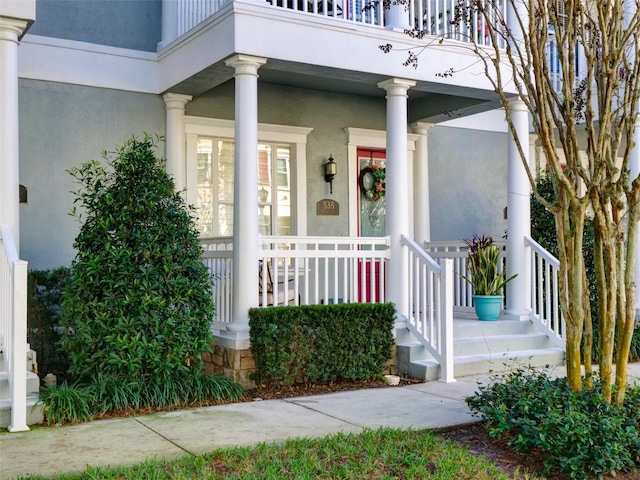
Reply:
x=434, y=17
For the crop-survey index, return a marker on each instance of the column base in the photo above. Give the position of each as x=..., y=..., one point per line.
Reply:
x=237, y=364
x=513, y=314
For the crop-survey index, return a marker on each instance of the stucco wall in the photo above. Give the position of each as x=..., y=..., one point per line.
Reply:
x=131, y=24
x=61, y=127
x=467, y=182
x=328, y=114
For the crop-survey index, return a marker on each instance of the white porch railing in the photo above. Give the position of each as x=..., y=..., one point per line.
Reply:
x=317, y=269
x=13, y=327
x=457, y=251
x=545, y=298
x=430, y=316
x=436, y=17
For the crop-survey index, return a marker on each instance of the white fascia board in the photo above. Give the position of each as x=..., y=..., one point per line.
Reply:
x=205, y=45
x=491, y=121
x=80, y=63
x=19, y=9
x=314, y=39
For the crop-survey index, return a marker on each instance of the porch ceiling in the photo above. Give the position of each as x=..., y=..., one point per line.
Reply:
x=428, y=102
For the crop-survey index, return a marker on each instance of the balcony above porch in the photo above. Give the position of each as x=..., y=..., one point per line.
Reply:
x=322, y=45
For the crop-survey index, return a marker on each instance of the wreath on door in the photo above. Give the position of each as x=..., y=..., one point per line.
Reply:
x=372, y=182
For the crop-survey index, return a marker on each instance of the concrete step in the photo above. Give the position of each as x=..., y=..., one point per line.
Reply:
x=486, y=363
x=33, y=384
x=481, y=347
x=35, y=415
x=499, y=344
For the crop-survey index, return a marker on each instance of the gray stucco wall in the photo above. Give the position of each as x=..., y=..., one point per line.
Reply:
x=467, y=183
x=328, y=114
x=134, y=24
x=61, y=127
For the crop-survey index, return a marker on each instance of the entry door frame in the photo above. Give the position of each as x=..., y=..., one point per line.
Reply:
x=373, y=139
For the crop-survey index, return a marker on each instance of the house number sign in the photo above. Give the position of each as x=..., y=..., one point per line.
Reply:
x=327, y=207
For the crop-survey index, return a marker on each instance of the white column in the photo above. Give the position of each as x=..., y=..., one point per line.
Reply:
x=175, y=148
x=518, y=215
x=397, y=179
x=421, y=209
x=396, y=17
x=245, y=195
x=10, y=30
x=169, y=22
x=634, y=167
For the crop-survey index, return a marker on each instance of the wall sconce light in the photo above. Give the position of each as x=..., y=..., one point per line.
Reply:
x=330, y=170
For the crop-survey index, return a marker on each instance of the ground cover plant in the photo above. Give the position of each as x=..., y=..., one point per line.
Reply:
x=383, y=453
x=577, y=434
x=137, y=308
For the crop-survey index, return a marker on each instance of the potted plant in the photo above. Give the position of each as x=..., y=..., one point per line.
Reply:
x=485, y=276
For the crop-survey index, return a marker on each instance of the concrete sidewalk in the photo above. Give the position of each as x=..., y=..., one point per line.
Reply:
x=123, y=441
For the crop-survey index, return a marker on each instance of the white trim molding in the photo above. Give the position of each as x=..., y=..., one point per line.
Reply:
x=366, y=138
x=80, y=63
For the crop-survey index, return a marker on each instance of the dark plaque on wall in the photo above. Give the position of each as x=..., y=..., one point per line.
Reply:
x=327, y=207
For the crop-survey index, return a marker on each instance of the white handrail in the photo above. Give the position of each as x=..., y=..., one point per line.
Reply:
x=545, y=297
x=430, y=316
x=434, y=17
x=13, y=327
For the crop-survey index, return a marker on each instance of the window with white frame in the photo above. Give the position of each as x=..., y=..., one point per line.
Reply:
x=215, y=187
x=281, y=167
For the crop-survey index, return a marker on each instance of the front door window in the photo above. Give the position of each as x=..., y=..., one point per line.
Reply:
x=372, y=192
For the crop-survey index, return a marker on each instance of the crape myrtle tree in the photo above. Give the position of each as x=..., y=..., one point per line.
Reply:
x=139, y=304
x=586, y=132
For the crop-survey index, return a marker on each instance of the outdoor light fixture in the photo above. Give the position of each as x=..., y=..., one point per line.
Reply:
x=330, y=170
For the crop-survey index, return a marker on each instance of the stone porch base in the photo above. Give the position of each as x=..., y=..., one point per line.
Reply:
x=240, y=365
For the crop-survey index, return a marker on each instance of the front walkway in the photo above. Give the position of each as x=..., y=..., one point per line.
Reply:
x=123, y=441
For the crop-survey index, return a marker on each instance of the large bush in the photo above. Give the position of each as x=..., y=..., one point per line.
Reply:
x=139, y=303
x=577, y=434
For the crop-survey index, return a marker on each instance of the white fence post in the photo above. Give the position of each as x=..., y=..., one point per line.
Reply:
x=446, y=305
x=19, y=349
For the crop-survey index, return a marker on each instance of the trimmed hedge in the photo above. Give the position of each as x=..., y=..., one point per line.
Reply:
x=321, y=343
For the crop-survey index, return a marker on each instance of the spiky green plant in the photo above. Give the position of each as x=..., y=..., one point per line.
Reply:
x=483, y=265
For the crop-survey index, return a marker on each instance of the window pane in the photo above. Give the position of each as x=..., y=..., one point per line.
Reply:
x=225, y=171
x=205, y=186
x=225, y=220
x=264, y=220
x=283, y=221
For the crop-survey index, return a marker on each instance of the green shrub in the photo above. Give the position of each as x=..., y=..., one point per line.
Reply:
x=321, y=343
x=66, y=404
x=579, y=434
x=44, y=297
x=117, y=395
x=139, y=304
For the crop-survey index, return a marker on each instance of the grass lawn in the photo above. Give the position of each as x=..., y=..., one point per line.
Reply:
x=379, y=454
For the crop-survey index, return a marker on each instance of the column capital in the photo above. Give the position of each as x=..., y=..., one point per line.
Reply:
x=245, y=64
x=396, y=86
x=516, y=104
x=421, y=128
x=12, y=28
x=176, y=100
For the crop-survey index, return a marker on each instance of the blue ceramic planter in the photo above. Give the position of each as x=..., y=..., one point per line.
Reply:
x=487, y=306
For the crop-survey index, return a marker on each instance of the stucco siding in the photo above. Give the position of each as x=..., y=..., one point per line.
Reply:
x=467, y=183
x=328, y=114
x=130, y=24
x=61, y=127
